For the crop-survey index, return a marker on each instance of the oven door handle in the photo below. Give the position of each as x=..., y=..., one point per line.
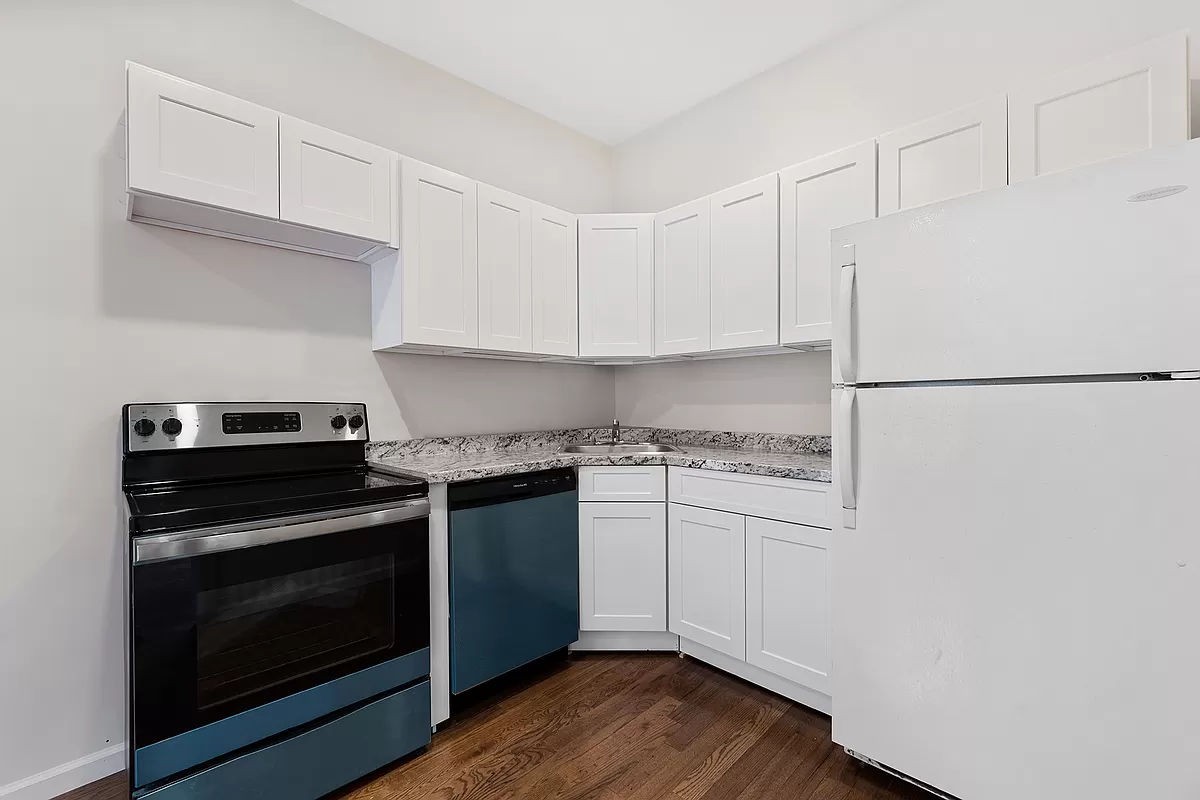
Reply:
x=220, y=539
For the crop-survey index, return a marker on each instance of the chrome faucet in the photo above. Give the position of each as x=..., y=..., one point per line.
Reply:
x=616, y=431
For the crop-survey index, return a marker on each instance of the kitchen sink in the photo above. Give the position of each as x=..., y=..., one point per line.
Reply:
x=619, y=448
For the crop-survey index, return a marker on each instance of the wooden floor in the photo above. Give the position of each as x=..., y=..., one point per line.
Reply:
x=623, y=727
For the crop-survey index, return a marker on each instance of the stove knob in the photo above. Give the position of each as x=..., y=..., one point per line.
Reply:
x=172, y=426
x=338, y=422
x=143, y=427
x=356, y=421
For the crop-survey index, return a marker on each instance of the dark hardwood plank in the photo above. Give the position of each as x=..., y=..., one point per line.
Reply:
x=111, y=788
x=622, y=727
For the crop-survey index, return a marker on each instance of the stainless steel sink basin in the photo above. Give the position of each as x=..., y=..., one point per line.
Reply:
x=619, y=449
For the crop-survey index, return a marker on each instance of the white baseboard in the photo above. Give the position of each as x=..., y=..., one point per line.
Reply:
x=65, y=777
x=758, y=676
x=626, y=640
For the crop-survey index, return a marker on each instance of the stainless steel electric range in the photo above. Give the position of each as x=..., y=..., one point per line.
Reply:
x=278, y=601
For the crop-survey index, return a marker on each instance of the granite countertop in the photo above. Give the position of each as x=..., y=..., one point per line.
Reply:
x=463, y=458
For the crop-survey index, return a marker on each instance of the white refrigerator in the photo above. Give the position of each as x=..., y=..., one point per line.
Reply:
x=1016, y=566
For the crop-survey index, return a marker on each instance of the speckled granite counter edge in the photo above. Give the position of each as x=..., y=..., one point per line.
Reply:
x=453, y=459
x=557, y=438
x=745, y=464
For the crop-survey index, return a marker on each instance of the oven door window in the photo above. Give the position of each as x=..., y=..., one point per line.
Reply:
x=218, y=634
x=258, y=634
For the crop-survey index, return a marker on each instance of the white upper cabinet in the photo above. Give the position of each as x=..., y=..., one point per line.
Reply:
x=505, y=270
x=616, y=285
x=197, y=144
x=744, y=265
x=787, y=601
x=438, y=256
x=950, y=155
x=622, y=566
x=1129, y=101
x=332, y=181
x=681, y=279
x=706, y=553
x=555, y=282
x=814, y=198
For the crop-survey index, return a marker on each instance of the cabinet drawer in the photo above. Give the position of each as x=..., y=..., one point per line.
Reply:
x=623, y=484
x=803, y=502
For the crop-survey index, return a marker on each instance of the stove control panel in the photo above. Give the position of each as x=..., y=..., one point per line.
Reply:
x=174, y=426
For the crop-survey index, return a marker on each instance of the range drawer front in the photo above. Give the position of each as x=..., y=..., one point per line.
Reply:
x=514, y=585
x=314, y=763
x=785, y=499
x=179, y=753
x=623, y=484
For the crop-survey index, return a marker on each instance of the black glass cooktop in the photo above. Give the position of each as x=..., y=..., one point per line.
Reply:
x=201, y=504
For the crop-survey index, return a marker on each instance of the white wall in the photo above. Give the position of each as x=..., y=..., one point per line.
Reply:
x=96, y=311
x=776, y=394
x=917, y=61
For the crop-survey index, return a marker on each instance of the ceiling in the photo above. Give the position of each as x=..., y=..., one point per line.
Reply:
x=610, y=69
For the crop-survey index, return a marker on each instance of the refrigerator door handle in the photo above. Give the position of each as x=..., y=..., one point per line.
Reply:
x=845, y=457
x=845, y=308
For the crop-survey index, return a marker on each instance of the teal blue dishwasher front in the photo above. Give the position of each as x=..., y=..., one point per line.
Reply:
x=514, y=573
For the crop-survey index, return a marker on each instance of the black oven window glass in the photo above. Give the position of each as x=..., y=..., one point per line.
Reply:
x=254, y=635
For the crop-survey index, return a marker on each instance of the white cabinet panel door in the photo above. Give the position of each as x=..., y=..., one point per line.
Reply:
x=1130, y=101
x=681, y=279
x=814, y=198
x=616, y=285
x=982, y=585
x=335, y=182
x=555, y=282
x=505, y=270
x=744, y=264
x=200, y=145
x=622, y=566
x=950, y=155
x=707, y=556
x=438, y=256
x=787, y=601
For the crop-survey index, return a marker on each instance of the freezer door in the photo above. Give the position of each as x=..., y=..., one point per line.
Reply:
x=1063, y=275
x=1015, y=612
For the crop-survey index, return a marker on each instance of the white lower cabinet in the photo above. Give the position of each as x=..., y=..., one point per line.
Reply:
x=746, y=594
x=787, y=601
x=622, y=567
x=707, y=577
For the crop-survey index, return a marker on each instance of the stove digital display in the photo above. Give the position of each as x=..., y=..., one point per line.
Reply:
x=261, y=422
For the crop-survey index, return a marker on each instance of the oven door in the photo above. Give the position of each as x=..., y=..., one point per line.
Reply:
x=243, y=632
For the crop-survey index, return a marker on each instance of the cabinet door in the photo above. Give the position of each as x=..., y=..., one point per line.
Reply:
x=505, y=270
x=622, y=566
x=814, y=198
x=616, y=276
x=438, y=256
x=707, y=556
x=555, y=282
x=950, y=155
x=787, y=601
x=335, y=182
x=681, y=279
x=1129, y=101
x=200, y=145
x=745, y=265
